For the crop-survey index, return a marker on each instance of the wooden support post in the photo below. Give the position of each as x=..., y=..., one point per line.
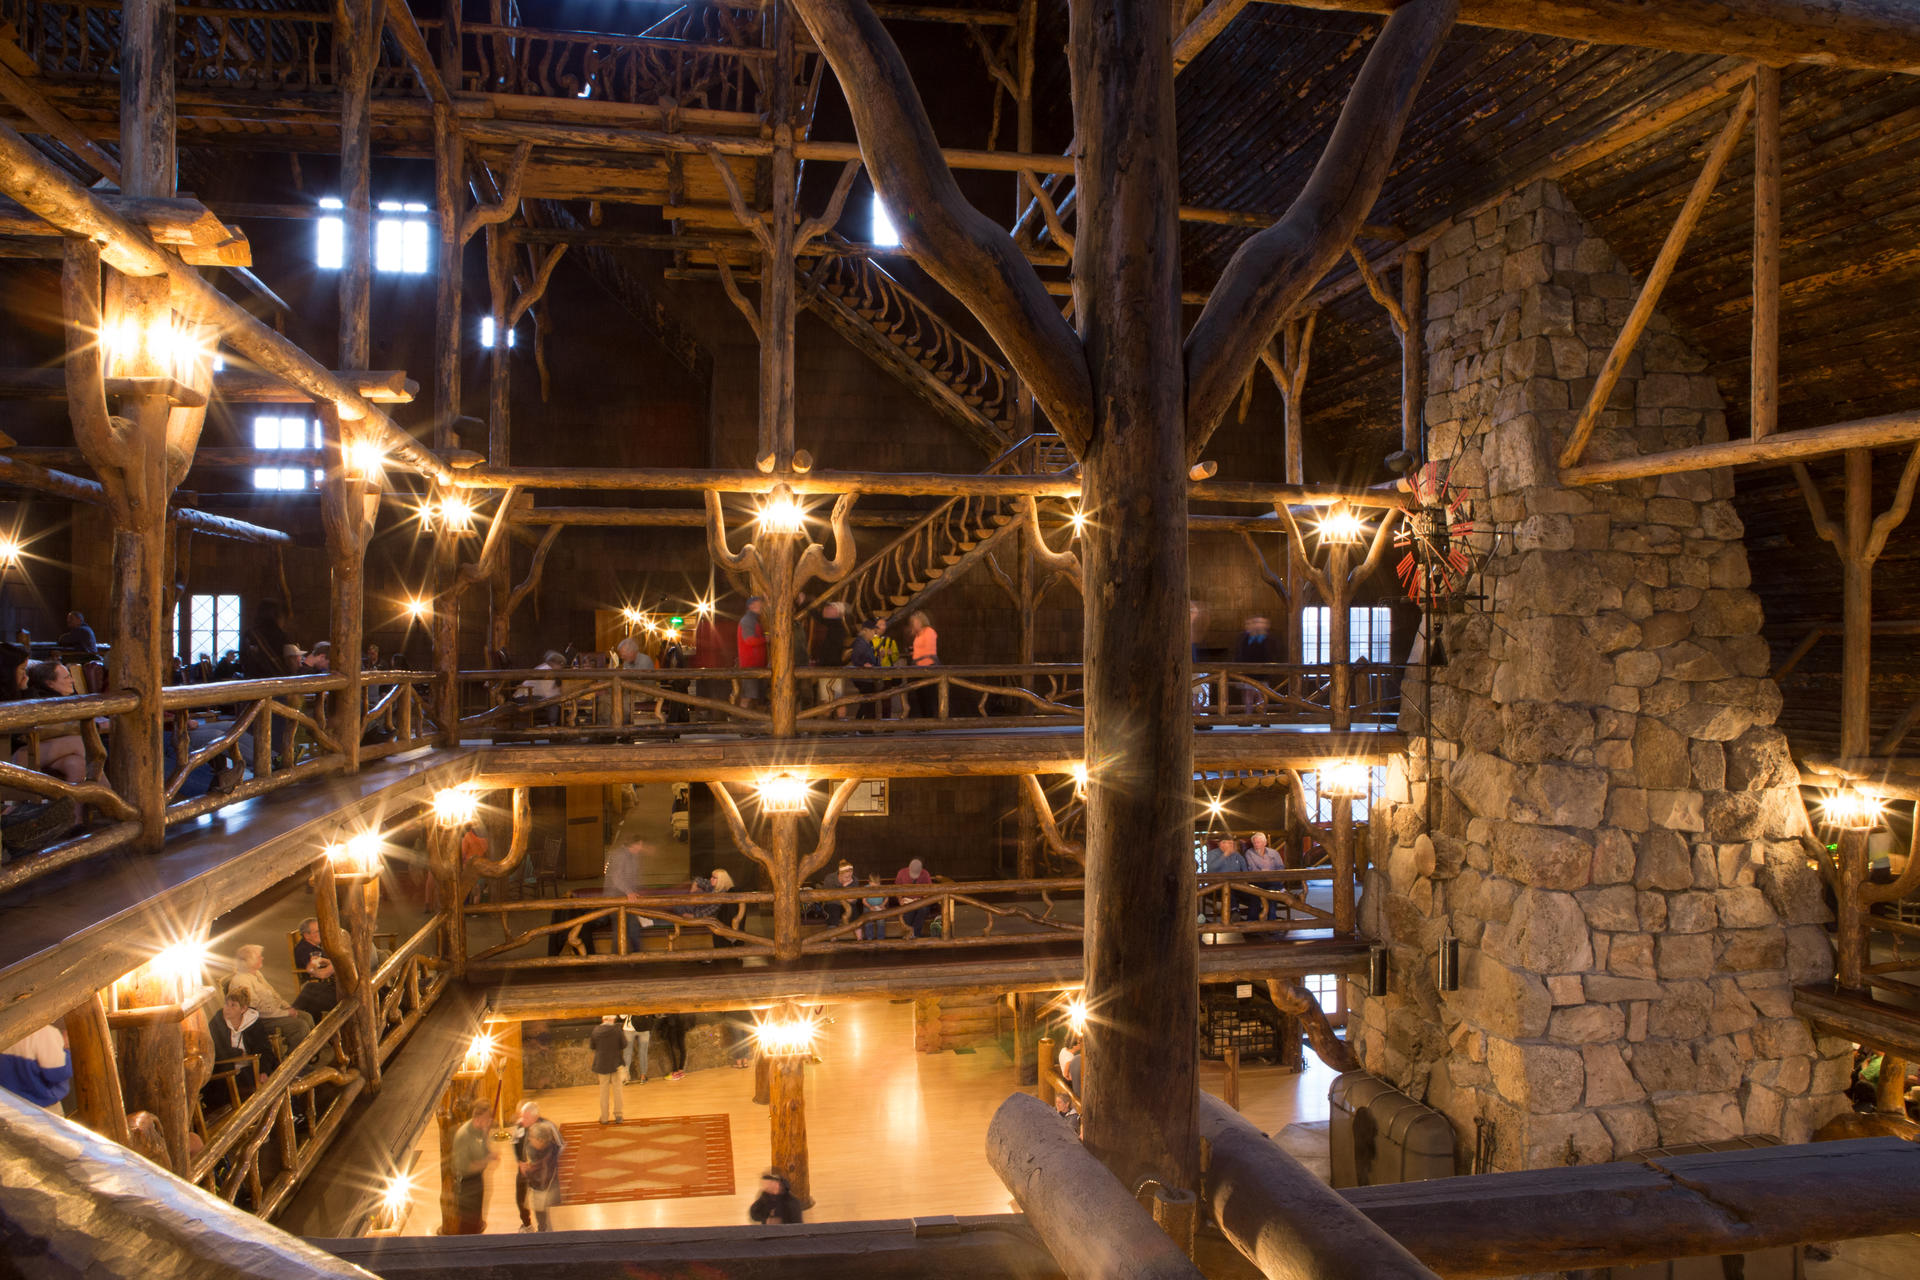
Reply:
x=762, y=1079
x=1890, y=1093
x=1850, y=937
x=362, y=915
x=500, y=365
x=1413, y=351
x=778, y=296
x=1766, y=251
x=785, y=883
x=1026, y=1059
x=1045, y=1058
x=450, y=193
x=357, y=37
x=1856, y=608
x=98, y=1102
x=1231, y=1092
x=344, y=517
x=776, y=583
x=510, y=1053
x=787, y=1114
x=446, y=636
x=154, y=1079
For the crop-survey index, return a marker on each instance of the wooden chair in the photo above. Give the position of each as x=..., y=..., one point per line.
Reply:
x=228, y=1076
x=547, y=868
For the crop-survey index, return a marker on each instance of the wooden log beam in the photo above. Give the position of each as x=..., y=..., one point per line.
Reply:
x=1632, y=1213
x=39, y=185
x=1088, y=1221
x=894, y=483
x=1871, y=35
x=1282, y=1217
x=1777, y=449
x=61, y=485
x=54, y=124
x=413, y=43
x=1765, y=379
x=236, y=386
x=80, y=1204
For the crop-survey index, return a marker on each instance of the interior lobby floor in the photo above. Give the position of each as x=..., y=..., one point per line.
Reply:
x=891, y=1133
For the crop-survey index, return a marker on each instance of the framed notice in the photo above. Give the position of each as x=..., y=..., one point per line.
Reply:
x=869, y=799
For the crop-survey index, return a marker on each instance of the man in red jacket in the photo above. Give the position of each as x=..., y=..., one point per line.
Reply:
x=752, y=650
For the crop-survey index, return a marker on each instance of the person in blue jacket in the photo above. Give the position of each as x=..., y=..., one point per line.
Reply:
x=39, y=1068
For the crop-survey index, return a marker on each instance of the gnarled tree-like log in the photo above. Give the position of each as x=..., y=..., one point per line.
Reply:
x=1275, y=270
x=1290, y=995
x=786, y=870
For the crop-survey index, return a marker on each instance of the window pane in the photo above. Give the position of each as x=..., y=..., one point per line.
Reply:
x=386, y=244
x=329, y=248
x=266, y=433
x=266, y=478
x=486, y=332
x=413, y=258
x=884, y=232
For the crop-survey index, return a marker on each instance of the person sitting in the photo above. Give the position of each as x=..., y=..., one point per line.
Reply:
x=308, y=945
x=318, y=994
x=544, y=691
x=1226, y=860
x=63, y=753
x=873, y=928
x=841, y=911
x=1261, y=856
x=201, y=672
x=1063, y=1107
x=78, y=640
x=720, y=881
x=915, y=872
x=776, y=1202
x=228, y=668
x=241, y=1032
x=621, y=879
x=275, y=1013
x=39, y=1068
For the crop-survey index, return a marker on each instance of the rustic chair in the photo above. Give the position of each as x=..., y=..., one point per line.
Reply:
x=547, y=868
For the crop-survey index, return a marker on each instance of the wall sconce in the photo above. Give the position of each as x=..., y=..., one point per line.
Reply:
x=1080, y=781
x=181, y=968
x=365, y=460
x=788, y=1036
x=1851, y=809
x=479, y=1053
x=1449, y=963
x=395, y=1199
x=167, y=344
x=1340, y=527
x=1376, y=972
x=452, y=514
x=1346, y=780
x=784, y=793
x=357, y=855
x=455, y=806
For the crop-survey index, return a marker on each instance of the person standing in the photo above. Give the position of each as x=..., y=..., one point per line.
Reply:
x=709, y=654
x=926, y=653
x=862, y=655
x=750, y=644
x=915, y=872
x=471, y=1156
x=827, y=647
x=523, y=1122
x=621, y=879
x=887, y=650
x=609, y=1046
x=673, y=1035
x=776, y=1203
x=542, y=1173
x=639, y=1043
x=1254, y=645
x=39, y=1068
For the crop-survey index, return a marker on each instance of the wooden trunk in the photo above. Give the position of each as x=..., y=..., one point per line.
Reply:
x=1140, y=944
x=98, y=1101
x=787, y=1113
x=153, y=1052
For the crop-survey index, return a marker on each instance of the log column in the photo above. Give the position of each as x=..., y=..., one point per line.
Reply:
x=787, y=1113
x=778, y=297
x=1142, y=960
x=446, y=635
x=154, y=1052
x=98, y=1101
x=347, y=512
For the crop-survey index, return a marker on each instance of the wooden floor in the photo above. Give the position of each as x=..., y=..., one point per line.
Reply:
x=892, y=1133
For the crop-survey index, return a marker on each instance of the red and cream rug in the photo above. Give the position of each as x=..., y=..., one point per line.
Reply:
x=657, y=1158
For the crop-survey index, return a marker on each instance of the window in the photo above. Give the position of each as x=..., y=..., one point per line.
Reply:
x=1320, y=808
x=1369, y=634
x=1325, y=988
x=486, y=334
x=272, y=432
x=883, y=231
x=213, y=627
x=401, y=237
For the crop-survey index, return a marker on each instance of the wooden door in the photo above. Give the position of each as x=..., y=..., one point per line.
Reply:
x=586, y=833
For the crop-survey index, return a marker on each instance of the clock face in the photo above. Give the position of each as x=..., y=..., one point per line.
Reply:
x=1436, y=538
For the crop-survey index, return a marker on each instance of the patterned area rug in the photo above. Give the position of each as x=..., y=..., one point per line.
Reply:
x=660, y=1158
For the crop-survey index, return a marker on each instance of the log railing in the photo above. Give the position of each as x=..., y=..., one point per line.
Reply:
x=971, y=372
x=888, y=580
x=214, y=46
x=605, y=702
x=406, y=986
x=310, y=747
x=951, y=915
x=103, y=819
x=569, y=928
x=399, y=713
x=701, y=65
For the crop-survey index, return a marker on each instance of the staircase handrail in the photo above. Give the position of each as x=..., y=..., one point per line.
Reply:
x=995, y=467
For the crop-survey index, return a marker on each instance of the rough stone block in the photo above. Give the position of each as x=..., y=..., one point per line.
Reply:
x=1587, y=1024
x=1631, y=955
x=1709, y=760
x=1498, y=998
x=1613, y=909
x=1660, y=754
x=1544, y=857
x=1662, y=1066
x=1684, y=955
x=1547, y=934
x=1682, y=1012
x=1544, y=731
x=1561, y=795
x=1627, y=810
x=1632, y=1127
x=1663, y=862
x=1676, y=810
x=1705, y=1117
x=1691, y=912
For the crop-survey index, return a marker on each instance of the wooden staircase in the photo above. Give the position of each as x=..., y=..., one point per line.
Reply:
x=878, y=315
x=939, y=547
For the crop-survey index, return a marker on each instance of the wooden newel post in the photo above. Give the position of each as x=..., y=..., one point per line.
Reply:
x=1044, y=1068
x=362, y=915
x=787, y=1113
x=762, y=1079
x=347, y=517
x=154, y=1057
x=1231, y=1094
x=446, y=636
x=1850, y=940
x=98, y=1101
x=511, y=1054
x=1026, y=1061
x=443, y=864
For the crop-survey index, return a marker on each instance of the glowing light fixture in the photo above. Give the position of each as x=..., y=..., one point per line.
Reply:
x=1215, y=806
x=165, y=344
x=181, y=967
x=456, y=806
x=1077, y=1014
x=453, y=514
x=1340, y=527
x=10, y=550
x=1852, y=809
x=1347, y=779
x=395, y=1198
x=365, y=460
x=419, y=609
x=784, y=793
x=781, y=513
x=789, y=1035
x=357, y=854
x=1080, y=780
x=703, y=608
x=1077, y=518
x=479, y=1053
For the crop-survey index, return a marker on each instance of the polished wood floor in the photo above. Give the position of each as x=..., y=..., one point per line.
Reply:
x=892, y=1133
